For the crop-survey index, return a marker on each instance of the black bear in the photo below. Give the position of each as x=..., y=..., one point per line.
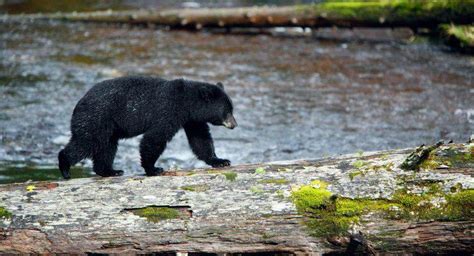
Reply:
x=129, y=106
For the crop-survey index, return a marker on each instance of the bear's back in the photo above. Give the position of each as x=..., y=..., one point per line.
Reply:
x=114, y=90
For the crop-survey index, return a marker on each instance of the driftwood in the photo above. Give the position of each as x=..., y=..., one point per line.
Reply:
x=373, y=14
x=239, y=210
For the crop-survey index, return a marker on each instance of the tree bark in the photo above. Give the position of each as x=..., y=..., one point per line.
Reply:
x=237, y=210
x=365, y=14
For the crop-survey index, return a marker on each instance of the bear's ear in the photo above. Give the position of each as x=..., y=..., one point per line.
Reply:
x=206, y=93
x=220, y=85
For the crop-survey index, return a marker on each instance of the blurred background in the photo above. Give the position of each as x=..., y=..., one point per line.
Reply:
x=298, y=93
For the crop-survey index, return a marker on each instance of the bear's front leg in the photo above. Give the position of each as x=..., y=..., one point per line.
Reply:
x=151, y=147
x=201, y=143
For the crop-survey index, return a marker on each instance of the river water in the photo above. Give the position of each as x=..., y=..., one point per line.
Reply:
x=295, y=97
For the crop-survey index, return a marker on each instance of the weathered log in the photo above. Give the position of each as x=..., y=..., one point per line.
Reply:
x=361, y=203
x=342, y=14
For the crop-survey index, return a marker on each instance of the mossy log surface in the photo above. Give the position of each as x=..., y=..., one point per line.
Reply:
x=343, y=14
x=459, y=36
x=360, y=203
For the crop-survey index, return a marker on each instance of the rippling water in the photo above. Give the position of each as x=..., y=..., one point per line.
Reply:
x=294, y=97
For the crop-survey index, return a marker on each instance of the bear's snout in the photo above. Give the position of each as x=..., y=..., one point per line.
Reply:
x=230, y=122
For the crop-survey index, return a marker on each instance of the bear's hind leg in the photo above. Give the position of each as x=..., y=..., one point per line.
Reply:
x=103, y=159
x=75, y=151
x=150, y=150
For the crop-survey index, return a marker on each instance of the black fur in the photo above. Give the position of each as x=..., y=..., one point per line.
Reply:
x=129, y=106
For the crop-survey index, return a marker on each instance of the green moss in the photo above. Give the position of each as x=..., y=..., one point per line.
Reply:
x=83, y=59
x=435, y=188
x=330, y=225
x=357, y=207
x=354, y=174
x=196, y=188
x=260, y=170
x=274, y=181
x=315, y=202
x=359, y=164
x=327, y=215
x=348, y=207
x=408, y=200
x=156, y=213
x=12, y=172
x=311, y=197
x=460, y=205
x=436, y=204
x=257, y=189
x=430, y=164
x=4, y=213
x=426, y=205
x=230, y=176
x=268, y=235
x=418, y=13
x=456, y=156
x=384, y=167
x=456, y=188
x=364, y=167
x=463, y=36
x=284, y=169
x=280, y=194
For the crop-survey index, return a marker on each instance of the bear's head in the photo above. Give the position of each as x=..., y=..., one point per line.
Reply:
x=214, y=106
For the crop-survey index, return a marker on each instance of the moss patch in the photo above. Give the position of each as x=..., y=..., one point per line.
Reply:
x=274, y=181
x=157, y=213
x=257, y=190
x=359, y=164
x=457, y=156
x=354, y=174
x=12, y=172
x=458, y=35
x=196, y=188
x=260, y=170
x=328, y=215
x=363, y=167
x=312, y=197
x=400, y=12
x=230, y=176
x=461, y=205
x=280, y=194
x=4, y=213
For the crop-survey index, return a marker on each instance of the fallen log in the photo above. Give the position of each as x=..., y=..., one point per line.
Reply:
x=362, y=203
x=342, y=14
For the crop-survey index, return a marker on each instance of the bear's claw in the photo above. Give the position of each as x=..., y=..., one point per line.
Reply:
x=217, y=162
x=111, y=173
x=116, y=173
x=154, y=172
x=66, y=175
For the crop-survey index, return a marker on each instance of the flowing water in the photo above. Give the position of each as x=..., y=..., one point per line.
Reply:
x=295, y=97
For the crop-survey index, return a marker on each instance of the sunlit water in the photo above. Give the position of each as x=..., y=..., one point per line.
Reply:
x=294, y=97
